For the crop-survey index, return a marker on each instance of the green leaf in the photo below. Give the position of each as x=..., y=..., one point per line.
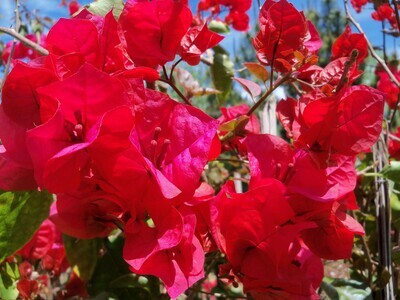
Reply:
x=82, y=255
x=222, y=71
x=392, y=171
x=218, y=27
x=110, y=273
x=383, y=278
x=21, y=214
x=9, y=274
x=346, y=289
x=102, y=7
x=396, y=257
x=329, y=291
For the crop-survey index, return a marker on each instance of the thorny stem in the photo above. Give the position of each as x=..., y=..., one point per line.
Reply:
x=313, y=86
x=231, y=134
x=268, y=93
x=383, y=215
x=347, y=65
x=165, y=73
x=17, y=27
x=173, y=68
x=373, y=54
x=298, y=91
x=175, y=88
x=24, y=40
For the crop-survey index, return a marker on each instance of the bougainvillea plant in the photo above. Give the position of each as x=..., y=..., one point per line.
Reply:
x=106, y=162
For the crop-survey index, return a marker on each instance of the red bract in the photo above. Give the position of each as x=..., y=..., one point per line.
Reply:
x=19, y=112
x=239, y=20
x=385, y=12
x=73, y=7
x=237, y=16
x=358, y=4
x=283, y=31
x=16, y=170
x=347, y=42
x=75, y=35
x=69, y=109
x=196, y=41
x=86, y=213
x=388, y=87
x=252, y=229
x=153, y=30
x=93, y=38
x=174, y=138
x=394, y=145
x=41, y=242
x=334, y=236
x=272, y=157
x=176, y=257
x=347, y=124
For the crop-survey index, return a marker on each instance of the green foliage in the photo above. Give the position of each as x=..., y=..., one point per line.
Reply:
x=112, y=276
x=82, y=255
x=345, y=289
x=218, y=26
x=21, y=214
x=222, y=72
x=102, y=7
x=9, y=274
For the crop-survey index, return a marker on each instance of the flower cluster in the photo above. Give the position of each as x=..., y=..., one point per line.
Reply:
x=86, y=124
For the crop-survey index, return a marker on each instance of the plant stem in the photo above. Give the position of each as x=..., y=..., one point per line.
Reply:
x=373, y=54
x=175, y=88
x=24, y=40
x=268, y=93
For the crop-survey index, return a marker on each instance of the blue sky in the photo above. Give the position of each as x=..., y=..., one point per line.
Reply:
x=52, y=9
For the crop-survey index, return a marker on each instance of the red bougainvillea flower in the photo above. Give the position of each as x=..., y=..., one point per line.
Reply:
x=196, y=41
x=347, y=123
x=73, y=7
x=46, y=246
x=177, y=257
x=347, y=42
x=385, y=12
x=88, y=212
x=328, y=78
x=160, y=123
x=262, y=247
x=284, y=36
x=239, y=20
x=272, y=157
x=69, y=111
x=93, y=38
x=41, y=243
x=237, y=16
x=394, y=145
x=19, y=112
x=388, y=87
x=334, y=236
x=322, y=200
x=358, y=4
x=153, y=30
